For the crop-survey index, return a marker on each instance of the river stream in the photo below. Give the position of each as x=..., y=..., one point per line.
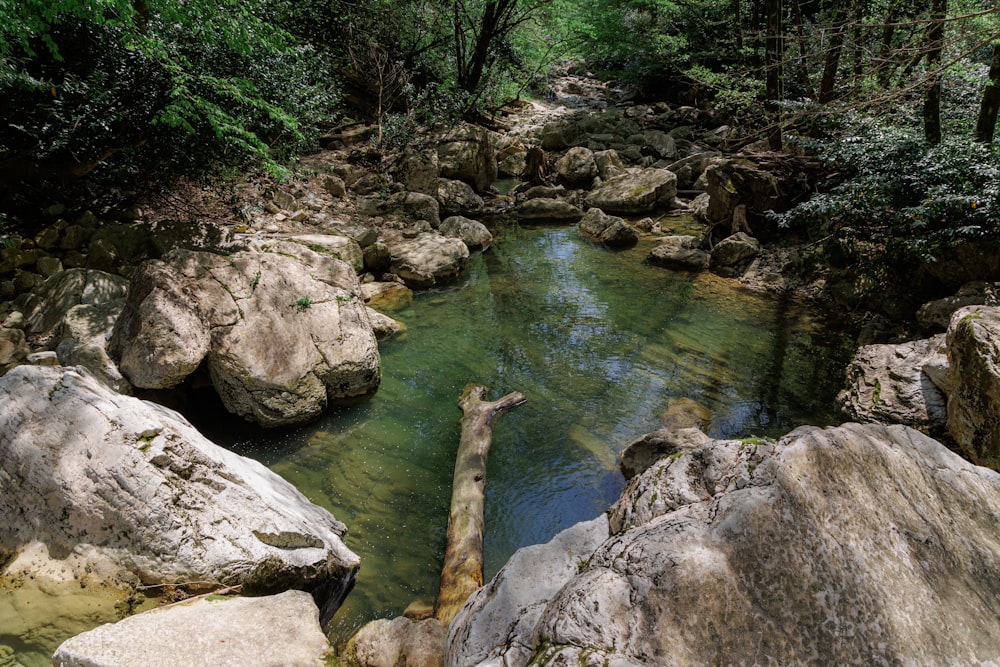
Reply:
x=602, y=344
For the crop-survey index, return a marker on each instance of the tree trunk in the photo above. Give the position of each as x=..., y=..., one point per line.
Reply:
x=738, y=29
x=832, y=61
x=803, y=55
x=987, y=121
x=932, y=101
x=773, y=57
x=885, y=50
x=462, y=573
x=857, y=57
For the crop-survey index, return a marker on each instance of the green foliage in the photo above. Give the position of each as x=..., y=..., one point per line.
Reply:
x=899, y=202
x=663, y=36
x=302, y=303
x=178, y=85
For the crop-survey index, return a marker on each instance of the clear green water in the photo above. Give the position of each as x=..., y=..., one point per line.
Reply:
x=600, y=343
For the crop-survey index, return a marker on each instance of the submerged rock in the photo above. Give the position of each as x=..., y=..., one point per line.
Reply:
x=279, y=629
x=548, y=210
x=608, y=229
x=860, y=544
x=113, y=486
x=472, y=232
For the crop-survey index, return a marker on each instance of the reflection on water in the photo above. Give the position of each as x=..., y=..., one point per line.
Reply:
x=600, y=343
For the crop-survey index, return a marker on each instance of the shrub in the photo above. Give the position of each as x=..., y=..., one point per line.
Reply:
x=897, y=202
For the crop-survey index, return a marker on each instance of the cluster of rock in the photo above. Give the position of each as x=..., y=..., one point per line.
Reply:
x=858, y=544
x=947, y=385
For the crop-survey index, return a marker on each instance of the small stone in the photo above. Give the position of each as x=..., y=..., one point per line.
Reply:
x=14, y=320
x=272, y=228
x=47, y=358
x=48, y=266
x=299, y=216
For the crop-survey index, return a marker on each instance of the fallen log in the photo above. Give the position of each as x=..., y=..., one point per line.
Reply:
x=462, y=573
x=419, y=642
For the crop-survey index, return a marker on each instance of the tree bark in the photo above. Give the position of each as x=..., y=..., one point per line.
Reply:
x=935, y=43
x=462, y=573
x=987, y=121
x=832, y=61
x=773, y=57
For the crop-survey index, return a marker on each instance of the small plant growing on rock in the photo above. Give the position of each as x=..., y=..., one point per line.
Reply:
x=302, y=303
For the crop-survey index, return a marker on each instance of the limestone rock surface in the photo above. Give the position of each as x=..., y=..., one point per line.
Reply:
x=114, y=484
x=680, y=253
x=635, y=192
x=577, y=167
x=974, y=383
x=548, y=210
x=284, y=332
x=466, y=153
x=888, y=384
x=397, y=642
x=265, y=631
x=472, y=232
x=853, y=545
x=608, y=229
x=458, y=198
x=428, y=259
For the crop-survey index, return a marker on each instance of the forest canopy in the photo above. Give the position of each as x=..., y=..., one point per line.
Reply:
x=119, y=87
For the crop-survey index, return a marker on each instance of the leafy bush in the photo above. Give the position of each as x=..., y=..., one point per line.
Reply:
x=898, y=202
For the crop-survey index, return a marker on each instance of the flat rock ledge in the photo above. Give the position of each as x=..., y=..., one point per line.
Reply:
x=280, y=629
x=115, y=485
x=853, y=545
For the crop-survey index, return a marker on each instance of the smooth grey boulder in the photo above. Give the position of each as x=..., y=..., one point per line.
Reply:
x=86, y=330
x=283, y=332
x=466, y=153
x=458, y=198
x=497, y=625
x=397, y=642
x=428, y=259
x=680, y=253
x=472, y=232
x=735, y=250
x=384, y=326
x=116, y=485
x=418, y=170
x=577, y=167
x=635, y=192
x=264, y=631
x=609, y=164
x=974, y=383
x=608, y=229
x=548, y=210
x=888, y=384
x=853, y=545
x=162, y=335
x=47, y=308
x=936, y=315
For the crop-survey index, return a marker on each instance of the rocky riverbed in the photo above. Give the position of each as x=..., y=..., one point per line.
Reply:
x=842, y=544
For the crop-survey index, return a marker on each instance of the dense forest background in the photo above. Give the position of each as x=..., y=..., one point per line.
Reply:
x=898, y=97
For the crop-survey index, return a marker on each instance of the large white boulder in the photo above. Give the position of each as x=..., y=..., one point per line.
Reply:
x=854, y=545
x=428, y=259
x=635, y=192
x=113, y=484
x=284, y=332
